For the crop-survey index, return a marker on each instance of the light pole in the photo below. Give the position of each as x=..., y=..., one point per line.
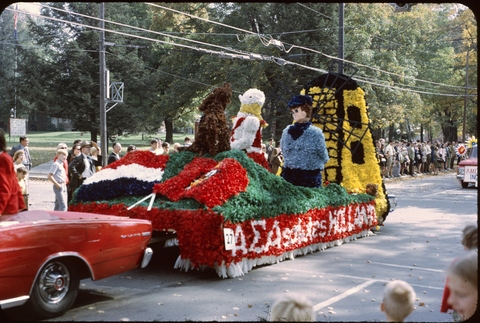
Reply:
x=341, y=7
x=465, y=100
x=103, y=113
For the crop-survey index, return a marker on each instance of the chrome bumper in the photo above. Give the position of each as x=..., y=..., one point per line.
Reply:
x=147, y=256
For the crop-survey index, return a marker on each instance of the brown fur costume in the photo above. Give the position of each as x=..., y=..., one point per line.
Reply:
x=213, y=134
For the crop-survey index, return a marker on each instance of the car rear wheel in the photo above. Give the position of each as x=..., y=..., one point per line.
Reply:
x=464, y=184
x=55, y=289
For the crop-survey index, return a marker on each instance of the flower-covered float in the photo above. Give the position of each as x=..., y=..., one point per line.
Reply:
x=228, y=211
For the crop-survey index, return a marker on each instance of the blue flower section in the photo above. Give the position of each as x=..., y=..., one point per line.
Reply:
x=106, y=190
x=308, y=151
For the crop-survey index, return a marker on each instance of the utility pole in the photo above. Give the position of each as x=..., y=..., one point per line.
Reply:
x=465, y=101
x=341, y=7
x=103, y=113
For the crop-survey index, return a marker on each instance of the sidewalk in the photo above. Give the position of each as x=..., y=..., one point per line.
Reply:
x=40, y=172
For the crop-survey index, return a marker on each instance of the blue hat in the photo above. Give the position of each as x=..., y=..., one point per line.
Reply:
x=300, y=100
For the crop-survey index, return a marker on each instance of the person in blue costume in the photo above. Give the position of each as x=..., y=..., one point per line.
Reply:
x=303, y=146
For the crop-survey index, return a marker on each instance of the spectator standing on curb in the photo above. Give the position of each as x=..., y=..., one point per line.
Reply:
x=450, y=155
x=71, y=153
x=411, y=157
x=443, y=153
x=276, y=161
x=436, y=157
x=428, y=153
x=381, y=157
x=23, y=145
x=63, y=145
x=115, y=155
x=269, y=147
x=187, y=142
x=398, y=301
x=155, y=146
x=175, y=147
x=423, y=150
x=418, y=157
x=165, y=148
x=389, y=155
x=18, y=158
x=96, y=156
x=396, y=160
x=403, y=160
x=76, y=151
x=11, y=198
x=58, y=177
x=452, y=149
x=81, y=167
x=131, y=148
x=22, y=173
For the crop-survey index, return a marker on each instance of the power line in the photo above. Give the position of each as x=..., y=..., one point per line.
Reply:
x=317, y=12
x=244, y=55
x=312, y=50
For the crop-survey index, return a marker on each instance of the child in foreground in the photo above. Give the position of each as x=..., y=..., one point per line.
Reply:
x=398, y=301
x=292, y=308
x=469, y=242
x=462, y=281
x=21, y=175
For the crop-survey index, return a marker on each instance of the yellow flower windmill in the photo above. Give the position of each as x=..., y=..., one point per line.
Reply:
x=340, y=110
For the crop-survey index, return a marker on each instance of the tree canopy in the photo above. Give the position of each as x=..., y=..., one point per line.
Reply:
x=412, y=65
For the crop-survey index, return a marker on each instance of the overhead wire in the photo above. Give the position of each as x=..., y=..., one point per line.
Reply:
x=321, y=53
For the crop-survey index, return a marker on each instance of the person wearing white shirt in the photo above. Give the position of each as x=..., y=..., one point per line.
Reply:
x=389, y=155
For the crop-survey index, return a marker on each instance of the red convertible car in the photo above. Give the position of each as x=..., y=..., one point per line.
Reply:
x=45, y=254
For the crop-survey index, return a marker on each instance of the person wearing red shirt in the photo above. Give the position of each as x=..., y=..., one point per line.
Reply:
x=11, y=198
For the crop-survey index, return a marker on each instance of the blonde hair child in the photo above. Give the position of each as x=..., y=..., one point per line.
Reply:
x=21, y=174
x=292, y=308
x=398, y=301
x=470, y=237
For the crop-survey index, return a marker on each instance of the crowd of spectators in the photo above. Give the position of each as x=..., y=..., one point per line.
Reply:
x=404, y=158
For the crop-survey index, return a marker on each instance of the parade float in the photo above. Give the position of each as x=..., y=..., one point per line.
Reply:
x=228, y=211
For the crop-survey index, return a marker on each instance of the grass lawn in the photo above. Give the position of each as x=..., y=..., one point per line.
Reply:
x=43, y=144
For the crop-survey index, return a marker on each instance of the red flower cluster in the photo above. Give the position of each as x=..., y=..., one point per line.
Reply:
x=206, y=181
x=200, y=232
x=141, y=157
x=226, y=179
x=174, y=187
x=260, y=159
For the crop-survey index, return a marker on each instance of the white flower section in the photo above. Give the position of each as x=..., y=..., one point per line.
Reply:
x=244, y=134
x=135, y=171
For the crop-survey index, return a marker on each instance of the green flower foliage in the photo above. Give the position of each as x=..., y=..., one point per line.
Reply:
x=266, y=196
x=176, y=162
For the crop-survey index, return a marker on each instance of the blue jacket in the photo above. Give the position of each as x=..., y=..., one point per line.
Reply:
x=303, y=147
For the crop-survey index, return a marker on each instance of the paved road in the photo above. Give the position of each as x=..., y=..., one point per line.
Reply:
x=418, y=241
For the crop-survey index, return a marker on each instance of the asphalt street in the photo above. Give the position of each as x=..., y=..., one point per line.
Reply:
x=345, y=283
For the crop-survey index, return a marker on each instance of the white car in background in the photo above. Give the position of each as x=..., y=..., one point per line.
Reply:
x=468, y=168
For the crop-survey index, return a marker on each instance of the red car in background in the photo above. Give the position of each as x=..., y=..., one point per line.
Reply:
x=45, y=254
x=467, y=169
